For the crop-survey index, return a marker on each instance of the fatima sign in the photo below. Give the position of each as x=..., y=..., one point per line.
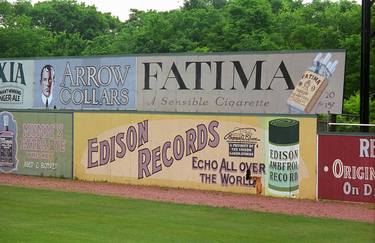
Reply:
x=297, y=82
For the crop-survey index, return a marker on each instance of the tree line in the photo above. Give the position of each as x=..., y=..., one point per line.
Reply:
x=68, y=28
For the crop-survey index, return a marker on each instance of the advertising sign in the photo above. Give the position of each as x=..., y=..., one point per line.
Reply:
x=223, y=153
x=36, y=143
x=16, y=84
x=8, y=143
x=297, y=82
x=346, y=168
x=106, y=83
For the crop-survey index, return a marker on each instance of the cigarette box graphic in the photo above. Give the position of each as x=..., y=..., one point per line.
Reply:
x=312, y=84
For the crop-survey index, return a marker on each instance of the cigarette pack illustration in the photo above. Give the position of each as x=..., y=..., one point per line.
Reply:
x=312, y=84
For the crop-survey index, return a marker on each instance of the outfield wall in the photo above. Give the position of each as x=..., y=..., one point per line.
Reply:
x=200, y=151
x=346, y=167
x=197, y=151
x=36, y=143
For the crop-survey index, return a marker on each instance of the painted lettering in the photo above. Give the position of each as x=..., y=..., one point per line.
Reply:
x=115, y=147
x=175, y=73
x=194, y=140
x=12, y=72
x=367, y=148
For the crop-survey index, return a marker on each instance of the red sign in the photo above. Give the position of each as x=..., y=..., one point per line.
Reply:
x=346, y=168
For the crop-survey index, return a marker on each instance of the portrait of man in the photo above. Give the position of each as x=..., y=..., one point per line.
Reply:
x=47, y=79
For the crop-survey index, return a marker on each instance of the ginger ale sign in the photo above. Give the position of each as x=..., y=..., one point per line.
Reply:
x=16, y=83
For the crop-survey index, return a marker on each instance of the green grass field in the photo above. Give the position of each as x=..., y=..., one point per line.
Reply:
x=32, y=215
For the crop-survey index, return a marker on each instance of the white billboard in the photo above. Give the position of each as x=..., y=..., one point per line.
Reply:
x=16, y=83
x=294, y=82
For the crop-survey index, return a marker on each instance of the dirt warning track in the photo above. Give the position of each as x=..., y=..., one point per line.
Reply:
x=339, y=210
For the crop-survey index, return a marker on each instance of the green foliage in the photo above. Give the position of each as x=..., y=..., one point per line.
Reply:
x=352, y=107
x=100, y=45
x=31, y=215
x=24, y=42
x=351, y=115
x=203, y=4
x=70, y=17
x=51, y=28
x=64, y=44
x=68, y=28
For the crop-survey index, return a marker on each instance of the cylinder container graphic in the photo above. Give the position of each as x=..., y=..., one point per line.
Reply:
x=283, y=157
